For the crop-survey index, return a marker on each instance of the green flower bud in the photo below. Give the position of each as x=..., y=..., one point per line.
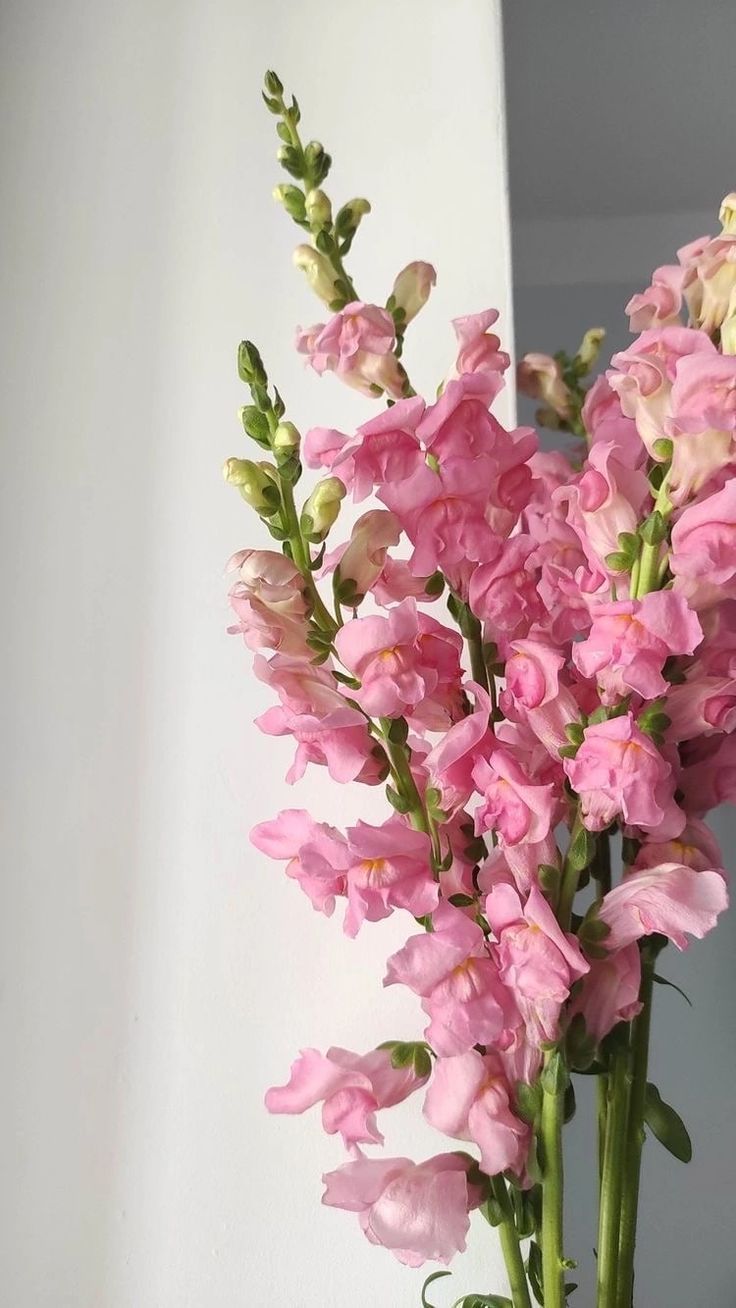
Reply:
x=286, y=437
x=318, y=209
x=590, y=345
x=256, y=482
x=322, y=507
x=727, y=214
x=292, y=198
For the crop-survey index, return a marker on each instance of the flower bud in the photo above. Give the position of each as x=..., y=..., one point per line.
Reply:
x=256, y=483
x=286, y=438
x=412, y=287
x=727, y=214
x=292, y=198
x=590, y=345
x=540, y=377
x=318, y=272
x=318, y=209
x=322, y=507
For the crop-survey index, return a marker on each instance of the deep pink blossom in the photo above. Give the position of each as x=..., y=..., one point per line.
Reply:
x=469, y=1098
x=317, y=854
x=453, y=972
x=407, y=664
x=619, y=772
x=671, y=900
x=351, y=1088
x=418, y=1211
x=357, y=344
x=504, y=592
x=389, y=868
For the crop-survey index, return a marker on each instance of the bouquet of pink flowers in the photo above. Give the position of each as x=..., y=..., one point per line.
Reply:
x=577, y=685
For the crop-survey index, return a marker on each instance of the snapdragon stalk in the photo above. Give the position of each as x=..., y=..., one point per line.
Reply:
x=511, y=1246
x=550, y=1134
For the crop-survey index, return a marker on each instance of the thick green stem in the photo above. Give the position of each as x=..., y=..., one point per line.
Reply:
x=553, y=1271
x=511, y=1246
x=635, y=1134
x=570, y=878
x=614, y=1153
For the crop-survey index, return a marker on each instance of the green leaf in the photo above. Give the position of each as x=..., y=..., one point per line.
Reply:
x=534, y=1270
x=435, y=584
x=549, y=877
x=581, y=850
x=617, y=562
x=435, y=1276
x=555, y=1076
x=397, y=801
x=483, y=1301
x=398, y=731
x=662, y=981
x=461, y=901
x=528, y=1100
x=667, y=1125
x=492, y=1211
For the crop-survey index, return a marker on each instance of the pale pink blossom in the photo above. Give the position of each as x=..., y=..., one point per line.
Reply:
x=357, y=344
x=642, y=376
x=453, y=972
x=630, y=641
x=534, y=693
x=443, y=511
x=607, y=498
x=407, y=664
x=659, y=305
x=418, y=1211
x=607, y=424
x=537, y=960
x=450, y=764
x=671, y=900
x=703, y=557
x=708, y=775
x=479, y=350
x=504, y=592
x=469, y=1098
x=609, y=994
x=385, y=449
x=619, y=772
x=696, y=847
x=701, y=706
x=269, y=601
x=363, y=558
x=351, y=1088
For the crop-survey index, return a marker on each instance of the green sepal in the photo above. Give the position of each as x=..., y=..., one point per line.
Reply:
x=581, y=850
x=555, y=1077
x=654, y=529
x=528, y=1100
x=534, y=1271
x=397, y=801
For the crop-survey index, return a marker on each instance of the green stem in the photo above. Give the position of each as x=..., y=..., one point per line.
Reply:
x=301, y=557
x=601, y=1094
x=635, y=1134
x=553, y=1272
x=612, y=1179
x=570, y=878
x=475, y=649
x=511, y=1246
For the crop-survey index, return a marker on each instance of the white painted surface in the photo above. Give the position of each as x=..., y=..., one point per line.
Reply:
x=156, y=974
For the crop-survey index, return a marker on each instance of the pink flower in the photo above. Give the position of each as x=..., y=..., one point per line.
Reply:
x=469, y=1098
x=610, y=992
x=517, y=865
x=327, y=730
x=703, y=557
x=704, y=393
x=710, y=279
x=443, y=512
x=351, y=1088
x=540, y=377
x=708, y=777
x=701, y=705
x=618, y=771
x=535, y=695
x=504, y=592
x=630, y=641
x=321, y=446
x=450, y=764
x=659, y=305
x=418, y=1211
x=672, y=900
x=479, y=349
x=514, y=805
x=537, y=960
x=462, y=994
x=607, y=498
x=269, y=602
x=363, y=558
x=317, y=854
x=407, y=663
x=357, y=344
x=389, y=868
x=386, y=449
x=696, y=847
x=459, y=425
x=642, y=376
x=606, y=423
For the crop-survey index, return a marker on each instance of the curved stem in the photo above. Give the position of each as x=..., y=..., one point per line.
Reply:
x=553, y=1272
x=511, y=1246
x=635, y=1134
x=612, y=1178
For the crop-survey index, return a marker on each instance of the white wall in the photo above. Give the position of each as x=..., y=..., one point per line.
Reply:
x=155, y=973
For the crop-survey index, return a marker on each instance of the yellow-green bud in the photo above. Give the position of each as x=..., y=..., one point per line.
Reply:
x=318, y=209
x=292, y=199
x=286, y=437
x=412, y=288
x=357, y=209
x=318, y=272
x=256, y=482
x=322, y=507
x=590, y=345
x=728, y=214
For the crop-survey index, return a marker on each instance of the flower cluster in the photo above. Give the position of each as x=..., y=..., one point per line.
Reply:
x=580, y=682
